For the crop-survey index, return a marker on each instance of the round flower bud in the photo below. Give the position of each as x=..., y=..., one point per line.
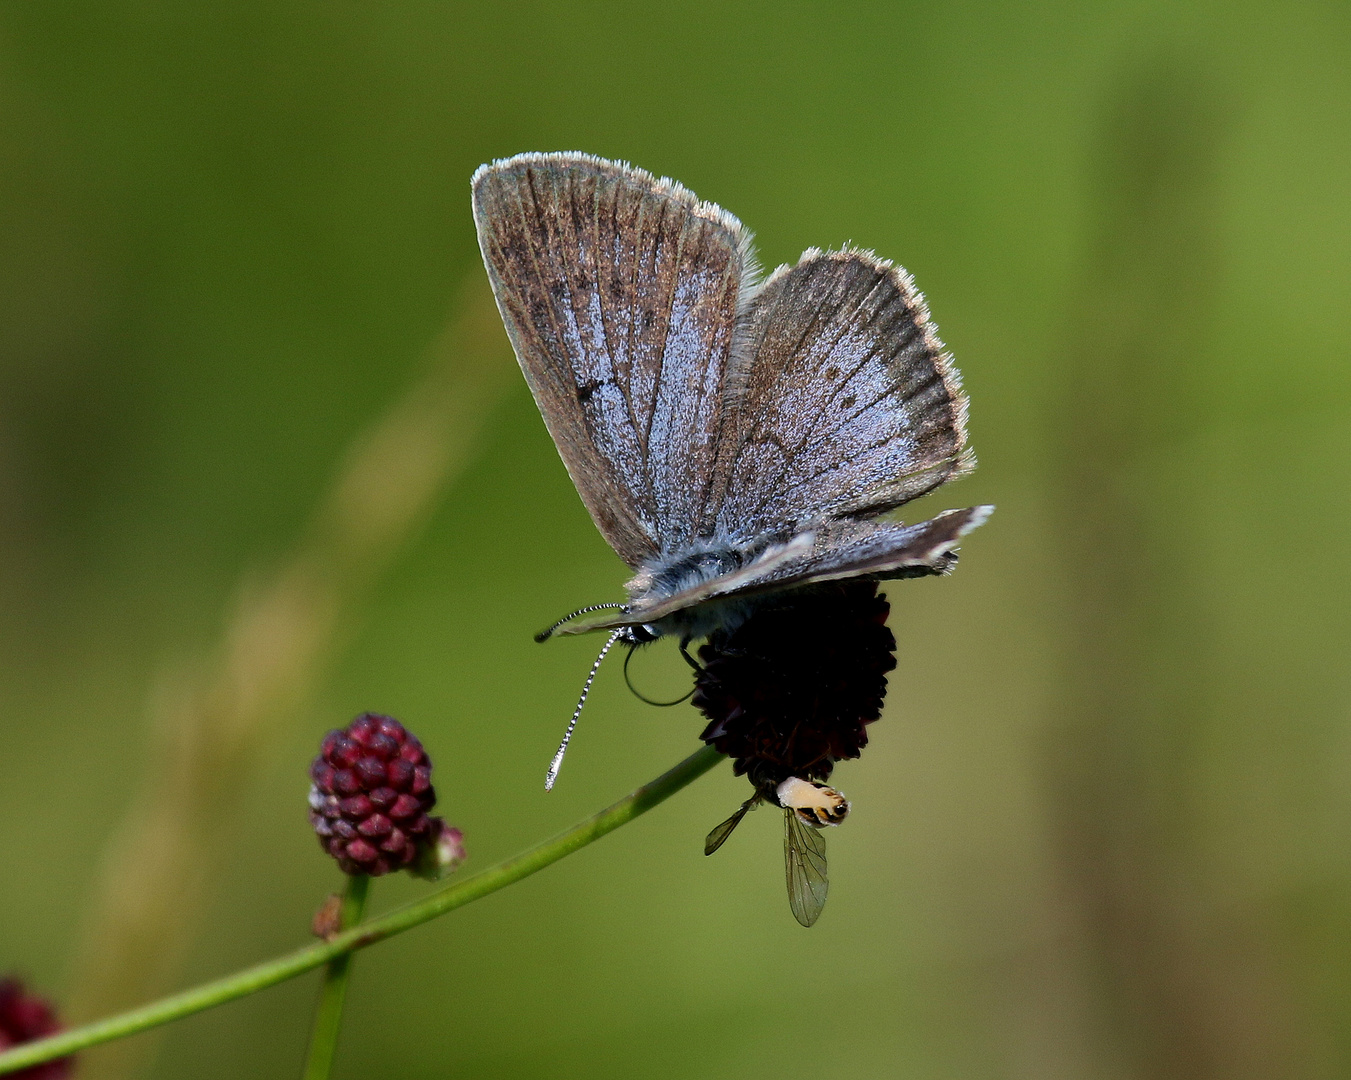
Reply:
x=791, y=690
x=23, y=1018
x=442, y=855
x=370, y=796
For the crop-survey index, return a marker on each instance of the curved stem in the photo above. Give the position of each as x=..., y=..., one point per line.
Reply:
x=328, y=1017
x=260, y=977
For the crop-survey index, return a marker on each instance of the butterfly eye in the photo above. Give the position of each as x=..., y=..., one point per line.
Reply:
x=639, y=635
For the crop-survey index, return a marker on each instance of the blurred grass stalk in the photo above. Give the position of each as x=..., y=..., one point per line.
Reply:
x=1181, y=990
x=212, y=731
x=328, y=1016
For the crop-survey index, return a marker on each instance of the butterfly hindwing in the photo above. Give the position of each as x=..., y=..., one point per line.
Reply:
x=835, y=550
x=880, y=549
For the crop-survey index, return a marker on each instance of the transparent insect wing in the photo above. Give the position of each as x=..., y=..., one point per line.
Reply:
x=804, y=857
x=719, y=834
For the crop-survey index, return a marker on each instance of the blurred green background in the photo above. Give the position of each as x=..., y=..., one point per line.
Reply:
x=1104, y=827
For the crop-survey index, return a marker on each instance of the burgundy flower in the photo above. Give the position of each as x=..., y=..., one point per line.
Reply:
x=23, y=1018
x=791, y=690
x=371, y=795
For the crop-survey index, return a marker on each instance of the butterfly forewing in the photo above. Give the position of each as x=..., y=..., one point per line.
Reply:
x=619, y=293
x=847, y=404
x=804, y=857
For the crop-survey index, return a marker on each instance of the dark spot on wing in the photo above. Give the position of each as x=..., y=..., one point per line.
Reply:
x=848, y=401
x=832, y=373
x=588, y=388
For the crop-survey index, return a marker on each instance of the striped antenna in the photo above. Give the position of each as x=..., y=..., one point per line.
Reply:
x=545, y=635
x=557, y=762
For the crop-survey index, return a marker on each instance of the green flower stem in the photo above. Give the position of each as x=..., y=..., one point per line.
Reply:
x=260, y=977
x=328, y=1018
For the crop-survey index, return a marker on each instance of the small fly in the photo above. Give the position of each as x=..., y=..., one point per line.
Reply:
x=808, y=807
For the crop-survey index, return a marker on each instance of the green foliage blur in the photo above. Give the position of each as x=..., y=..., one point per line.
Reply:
x=1103, y=831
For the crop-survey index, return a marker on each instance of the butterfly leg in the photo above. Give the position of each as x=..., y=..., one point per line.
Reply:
x=685, y=652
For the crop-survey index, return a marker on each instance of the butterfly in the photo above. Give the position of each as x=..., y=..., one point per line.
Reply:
x=735, y=438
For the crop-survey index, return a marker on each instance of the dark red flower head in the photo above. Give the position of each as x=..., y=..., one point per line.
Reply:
x=371, y=795
x=23, y=1018
x=789, y=691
